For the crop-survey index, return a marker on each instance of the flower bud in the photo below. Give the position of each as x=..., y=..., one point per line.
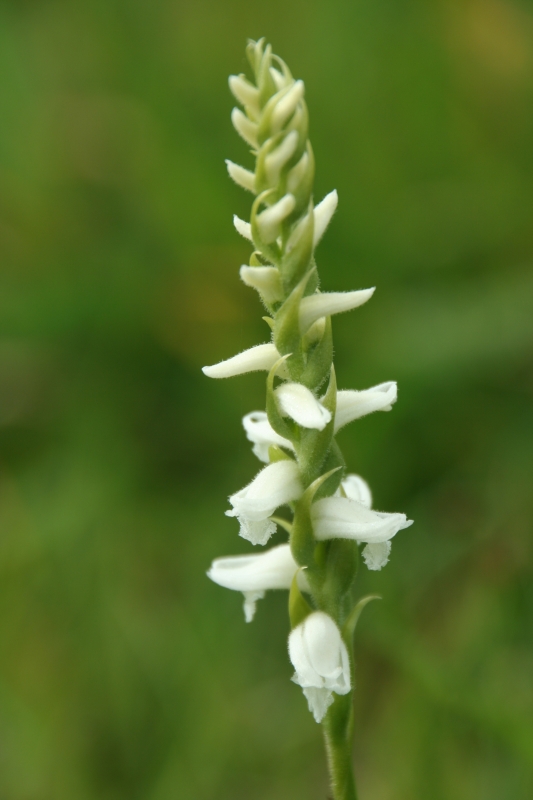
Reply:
x=242, y=227
x=269, y=221
x=286, y=106
x=299, y=403
x=244, y=127
x=242, y=177
x=323, y=214
x=245, y=92
x=266, y=280
x=276, y=160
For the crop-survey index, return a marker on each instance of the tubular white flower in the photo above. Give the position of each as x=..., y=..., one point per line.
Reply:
x=269, y=221
x=244, y=127
x=261, y=433
x=342, y=518
x=275, y=485
x=355, y=488
x=299, y=403
x=276, y=160
x=260, y=357
x=323, y=214
x=287, y=106
x=255, y=574
x=266, y=280
x=245, y=92
x=242, y=177
x=320, y=658
x=352, y=404
x=328, y=303
x=242, y=227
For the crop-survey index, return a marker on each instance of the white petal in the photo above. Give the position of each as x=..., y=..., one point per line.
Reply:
x=276, y=160
x=297, y=402
x=376, y=554
x=256, y=531
x=353, y=405
x=269, y=221
x=323, y=214
x=261, y=357
x=261, y=433
x=244, y=127
x=318, y=700
x=250, y=601
x=266, y=280
x=341, y=518
x=257, y=572
x=275, y=485
x=327, y=303
x=242, y=227
x=357, y=489
x=245, y=92
x=278, y=78
x=243, y=177
x=286, y=106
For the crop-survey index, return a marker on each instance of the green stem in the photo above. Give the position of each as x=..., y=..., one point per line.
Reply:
x=338, y=733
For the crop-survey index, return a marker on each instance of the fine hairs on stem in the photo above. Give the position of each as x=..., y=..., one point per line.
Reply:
x=331, y=519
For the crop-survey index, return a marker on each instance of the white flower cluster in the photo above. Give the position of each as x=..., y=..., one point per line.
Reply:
x=272, y=124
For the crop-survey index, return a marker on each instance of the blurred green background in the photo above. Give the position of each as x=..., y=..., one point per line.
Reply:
x=124, y=673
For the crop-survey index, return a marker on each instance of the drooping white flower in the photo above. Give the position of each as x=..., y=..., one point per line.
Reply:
x=323, y=214
x=352, y=404
x=262, y=434
x=260, y=357
x=320, y=658
x=325, y=304
x=275, y=485
x=255, y=574
x=265, y=280
x=299, y=403
x=345, y=518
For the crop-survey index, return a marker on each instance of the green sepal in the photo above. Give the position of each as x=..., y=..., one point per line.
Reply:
x=270, y=252
x=264, y=131
x=276, y=453
x=302, y=539
x=265, y=82
x=353, y=618
x=299, y=608
x=304, y=190
x=319, y=360
x=283, y=523
x=298, y=251
x=335, y=466
x=287, y=327
x=283, y=427
x=261, y=180
x=269, y=321
x=340, y=561
x=314, y=444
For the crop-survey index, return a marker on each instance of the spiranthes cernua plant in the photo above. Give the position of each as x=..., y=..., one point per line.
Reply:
x=332, y=521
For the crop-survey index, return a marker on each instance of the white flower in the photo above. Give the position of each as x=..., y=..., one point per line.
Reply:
x=323, y=213
x=244, y=127
x=346, y=518
x=324, y=304
x=265, y=280
x=275, y=485
x=276, y=160
x=244, y=91
x=299, y=403
x=243, y=177
x=261, y=357
x=353, y=405
x=321, y=661
x=286, y=106
x=242, y=227
x=255, y=574
x=261, y=433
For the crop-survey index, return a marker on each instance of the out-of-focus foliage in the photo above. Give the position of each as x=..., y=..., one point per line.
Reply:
x=125, y=674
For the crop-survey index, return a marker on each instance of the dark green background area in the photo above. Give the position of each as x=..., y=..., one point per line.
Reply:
x=124, y=673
